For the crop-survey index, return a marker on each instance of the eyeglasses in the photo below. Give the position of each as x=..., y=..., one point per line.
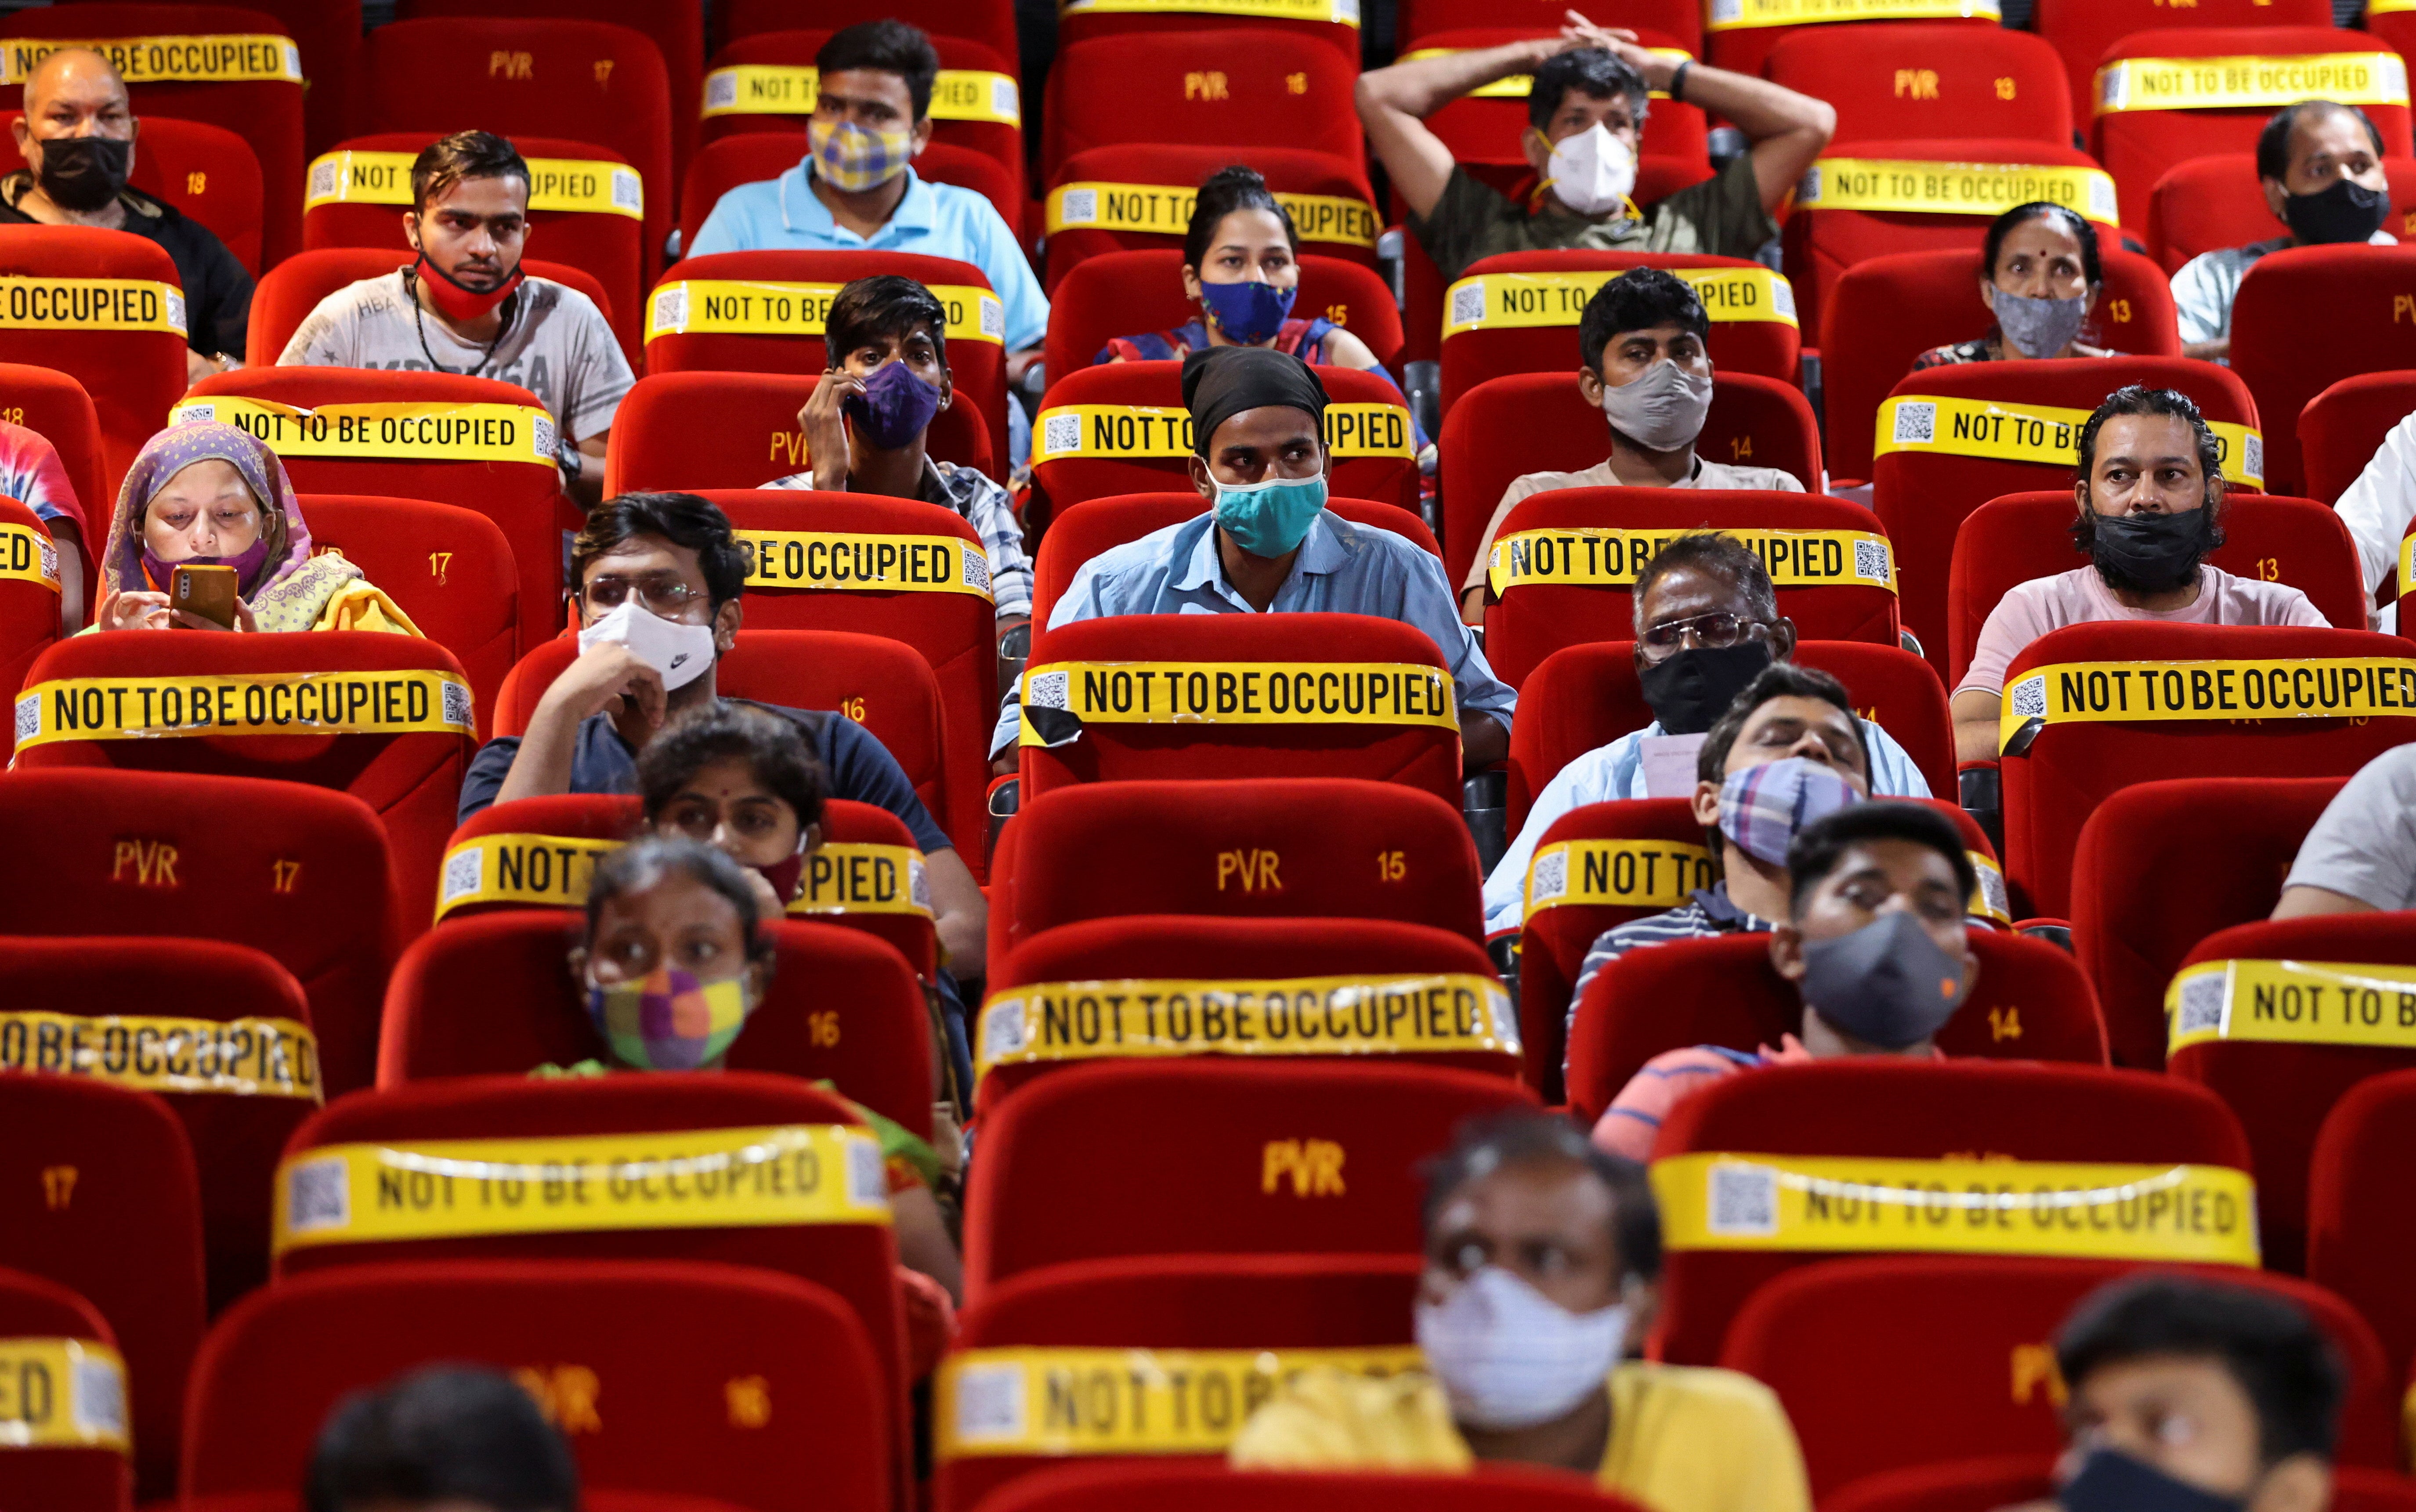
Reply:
x=661, y=592
x=1714, y=631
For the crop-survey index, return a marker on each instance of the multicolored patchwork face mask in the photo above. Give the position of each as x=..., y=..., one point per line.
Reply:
x=668, y=1021
x=852, y=159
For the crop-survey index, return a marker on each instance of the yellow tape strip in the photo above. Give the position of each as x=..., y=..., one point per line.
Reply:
x=756, y=307
x=224, y=58
x=1615, y=874
x=1054, y=1023
x=1517, y=85
x=1165, y=210
x=2149, y=692
x=2293, y=1003
x=864, y=878
x=407, y=432
x=29, y=304
x=1122, y=1401
x=1989, y=899
x=1606, y=556
x=699, y=1178
x=1513, y=301
x=2029, y=434
x=2378, y=78
x=1118, y=430
x=1918, y=188
x=2389, y=8
x=2204, y=1215
x=238, y=1057
x=62, y=1394
x=1240, y=692
x=777, y=89
x=592, y=185
x=244, y=703
x=1339, y=12
x=27, y=554
x=862, y=562
x=1736, y=15
x=546, y=870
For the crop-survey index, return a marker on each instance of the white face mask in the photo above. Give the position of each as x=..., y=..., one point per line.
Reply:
x=1508, y=1356
x=682, y=653
x=1591, y=172
x=1663, y=408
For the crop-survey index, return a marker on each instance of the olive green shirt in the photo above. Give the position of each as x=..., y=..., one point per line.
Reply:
x=1721, y=215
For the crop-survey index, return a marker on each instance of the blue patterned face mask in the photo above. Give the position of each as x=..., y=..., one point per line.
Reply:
x=1272, y=518
x=1248, y=312
x=852, y=159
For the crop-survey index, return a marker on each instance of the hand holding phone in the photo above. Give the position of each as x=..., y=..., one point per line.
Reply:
x=205, y=592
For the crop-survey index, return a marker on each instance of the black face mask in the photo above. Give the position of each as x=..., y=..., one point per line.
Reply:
x=2150, y=553
x=1694, y=688
x=1886, y=984
x=83, y=173
x=2112, y=1481
x=2341, y=212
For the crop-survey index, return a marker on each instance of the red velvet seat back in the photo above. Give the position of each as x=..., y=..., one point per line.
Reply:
x=2357, y=1237
x=991, y=22
x=1280, y=90
x=1335, y=216
x=133, y=373
x=1117, y=294
x=1746, y=47
x=29, y=591
x=2306, y=321
x=449, y=568
x=70, y=1477
x=1096, y=525
x=2342, y=428
x=1932, y=78
x=58, y=410
x=208, y=173
x=2081, y=30
x=739, y=430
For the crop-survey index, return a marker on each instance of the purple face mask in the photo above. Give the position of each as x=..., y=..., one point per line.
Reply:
x=246, y=564
x=894, y=409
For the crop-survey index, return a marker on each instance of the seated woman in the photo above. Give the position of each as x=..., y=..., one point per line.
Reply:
x=202, y=493
x=2039, y=276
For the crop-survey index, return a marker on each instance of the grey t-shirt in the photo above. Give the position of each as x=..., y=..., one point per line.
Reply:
x=2365, y=846
x=557, y=346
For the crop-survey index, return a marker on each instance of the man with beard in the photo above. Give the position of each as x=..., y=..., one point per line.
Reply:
x=2149, y=493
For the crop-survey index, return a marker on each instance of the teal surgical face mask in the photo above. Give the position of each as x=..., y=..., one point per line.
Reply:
x=1272, y=518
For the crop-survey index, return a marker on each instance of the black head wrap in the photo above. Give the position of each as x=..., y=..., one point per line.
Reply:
x=1221, y=382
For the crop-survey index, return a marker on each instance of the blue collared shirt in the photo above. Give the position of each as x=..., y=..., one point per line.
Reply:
x=1342, y=569
x=933, y=220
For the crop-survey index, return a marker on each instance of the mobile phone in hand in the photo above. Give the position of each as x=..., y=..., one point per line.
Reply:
x=205, y=591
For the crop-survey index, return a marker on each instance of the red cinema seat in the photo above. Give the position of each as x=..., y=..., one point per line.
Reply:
x=29, y=592
x=586, y=212
x=1942, y=1393
x=1985, y=1485
x=2056, y=777
x=1130, y=294
x=2029, y=1003
x=1179, y=1488
x=2080, y=31
x=520, y=494
x=2342, y=428
x=1122, y=429
x=585, y=79
x=1522, y=311
x=1485, y=127
x=763, y=312
x=246, y=76
x=2131, y=930
x=1868, y=199
x=1938, y=1115
x=291, y=871
x=449, y=568
x=1753, y=422
x=1563, y=566
x=1096, y=525
x=1679, y=20
x=237, y=1121
x=2304, y=322
x=1923, y=489
x=753, y=157
x=208, y=173
x=1901, y=305
x=406, y=734
x=1414, y=741
x=749, y=423
x=669, y=1397
x=1172, y=948
x=1748, y=41
x=2203, y=205
x=2144, y=98
x=98, y=1194
x=1200, y=21
x=1236, y=1319
x=130, y=358
x=57, y=408
x=80, y=1456
x=991, y=22
x=1136, y=197
x=295, y=287
x=1212, y=1156
x=2021, y=537
x=1255, y=86
x=1939, y=79
x=329, y=33
x=2356, y=1238
x=890, y=681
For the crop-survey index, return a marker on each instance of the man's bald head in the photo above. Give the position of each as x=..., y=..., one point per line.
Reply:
x=78, y=73
x=77, y=99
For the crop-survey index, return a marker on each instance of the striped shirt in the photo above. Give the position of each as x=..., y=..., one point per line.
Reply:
x=989, y=509
x=1628, y=1127
x=1707, y=913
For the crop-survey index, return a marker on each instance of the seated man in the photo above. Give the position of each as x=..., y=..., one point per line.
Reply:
x=1586, y=113
x=864, y=425
x=1542, y=1263
x=2360, y=856
x=2377, y=510
x=1707, y=622
x=445, y=1438
x=466, y=304
x=1268, y=545
x=2320, y=164
x=77, y=136
x=2188, y=1393
x=1643, y=364
x=658, y=577
x=2150, y=495
x=1874, y=942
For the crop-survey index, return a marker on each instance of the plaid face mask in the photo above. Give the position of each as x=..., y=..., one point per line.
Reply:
x=668, y=1021
x=1762, y=807
x=852, y=159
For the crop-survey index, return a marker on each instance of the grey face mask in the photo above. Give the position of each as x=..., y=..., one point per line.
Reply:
x=2038, y=328
x=1886, y=984
x=1662, y=409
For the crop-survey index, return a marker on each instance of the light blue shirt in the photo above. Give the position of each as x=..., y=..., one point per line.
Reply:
x=1342, y=569
x=1617, y=771
x=933, y=220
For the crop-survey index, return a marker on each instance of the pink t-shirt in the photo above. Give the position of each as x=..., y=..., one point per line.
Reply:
x=2080, y=597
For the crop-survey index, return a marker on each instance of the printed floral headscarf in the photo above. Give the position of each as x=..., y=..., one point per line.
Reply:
x=180, y=446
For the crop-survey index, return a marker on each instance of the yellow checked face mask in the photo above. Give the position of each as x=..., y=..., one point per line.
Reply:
x=852, y=159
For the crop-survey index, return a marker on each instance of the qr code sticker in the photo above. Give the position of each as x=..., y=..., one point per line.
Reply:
x=457, y=706
x=2205, y=999
x=1726, y=13
x=1745, y=1200
x=1347, y=13
x=1550, y=880
x=1004, y=99
x=1060, y=434
x=1992, y=892
x=918, y=885
x=1467, y=302
x=671, y=308
x=322, y=179
x=2113, y=85
x=868, y=1177
x=628, y=191
x=29, y=717
x=1871, y=561
x=993, y=318
x=1003, y=1029
x=1048, y=690
x=977, y=569
x=1807, y=189
x=50, y=562
x=176, y=311
x=2394, y=70
x=1782, y=296
x=2252, y=456
x=292, y=60
x=721, y=90
x=2029, y=698
x=100, y=1406
x=318, y=1195
x=546, y=445
x=990, y=1402
x=1077, y=207
x=463, y=870
x=2102, y=202
x=1916, y=422
x=1500, y=1020
x=186, y=413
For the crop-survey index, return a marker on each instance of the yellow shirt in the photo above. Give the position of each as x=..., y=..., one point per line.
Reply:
x=1682, y=1438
